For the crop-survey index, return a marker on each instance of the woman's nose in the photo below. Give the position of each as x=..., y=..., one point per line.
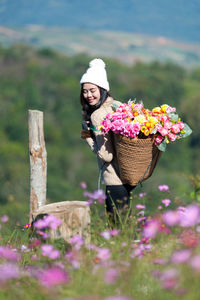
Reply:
x=89, y=94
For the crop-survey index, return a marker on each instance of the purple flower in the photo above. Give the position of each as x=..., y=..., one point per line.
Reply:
x=83, y=185
x=171, y=218
x=166, y=202
x=49, y=221
x=151, y=228
x=114, y=232
x=53, y=276
x=195, y=262
x=141, y=195
x=103, y=253
x=140, y=206
x=181, y=256
x=4, y=219
x=118, y=298
x=72, y=259
x=163, y=188
x=191, y=216
x=49, y=251
x=77, y=241
x=168, y=278
x=8, y=271
x=105, y=234
x=111, y=275
x=8, y=253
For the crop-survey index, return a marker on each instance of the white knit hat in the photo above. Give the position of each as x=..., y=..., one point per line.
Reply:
x=96, y=74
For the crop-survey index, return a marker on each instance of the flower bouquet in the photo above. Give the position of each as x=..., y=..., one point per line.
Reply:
x=141, y=135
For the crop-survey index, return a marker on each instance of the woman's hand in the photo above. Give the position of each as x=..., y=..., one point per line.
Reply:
x=86, y=125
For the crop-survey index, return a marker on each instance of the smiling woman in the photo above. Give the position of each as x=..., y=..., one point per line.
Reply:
x=96, y=103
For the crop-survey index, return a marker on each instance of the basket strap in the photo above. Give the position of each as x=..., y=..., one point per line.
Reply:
x=141, y=180
x=100, y=175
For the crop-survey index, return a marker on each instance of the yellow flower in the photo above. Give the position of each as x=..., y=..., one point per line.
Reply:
x=146, y=132
x=156, y=109
x=164, y=107
x=143, y=128
x=140, y=119
x=148, y=124
x=153, y=120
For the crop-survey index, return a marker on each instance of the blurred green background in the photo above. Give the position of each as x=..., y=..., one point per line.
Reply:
x=49, y=81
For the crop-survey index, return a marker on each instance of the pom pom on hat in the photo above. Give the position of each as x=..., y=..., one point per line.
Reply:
x=96, y=74
x=97, y=62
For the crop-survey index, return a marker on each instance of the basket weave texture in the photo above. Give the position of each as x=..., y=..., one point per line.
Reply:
x=136, y=157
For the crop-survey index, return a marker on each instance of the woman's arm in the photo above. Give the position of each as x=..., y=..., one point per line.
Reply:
x=88, y=135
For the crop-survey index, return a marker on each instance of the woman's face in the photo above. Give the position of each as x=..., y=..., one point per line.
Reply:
x=91, y=93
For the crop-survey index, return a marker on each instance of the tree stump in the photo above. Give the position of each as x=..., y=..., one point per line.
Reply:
x=75, y=217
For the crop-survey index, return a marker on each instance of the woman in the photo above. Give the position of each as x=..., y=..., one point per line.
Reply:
x=96, y=103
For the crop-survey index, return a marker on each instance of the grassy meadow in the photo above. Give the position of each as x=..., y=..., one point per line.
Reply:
x=152, y=252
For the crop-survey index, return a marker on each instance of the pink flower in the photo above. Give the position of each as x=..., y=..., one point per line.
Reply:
x=8, y=271
x=171, y=218
x=97, y=195
x=105, y=234
x=49, y=221
x=191, y=216
x=163, y=187
x=106, y=125
x=103, y=253
x=164, y=118
x=140, y=206
x=195, y=262
x=72, y=258
x=175, y=128
x=111, y=275
x=77, y=241
x=4, y=219
x=172, y=137
x=168, y=124
x=83, y=185
x=181, y=256
x=170, y=109
x=163, y=131
x=158, y=140
x=166, y=202
x=181, y=125
x=169, y=278
x=49, y=251
x=114, y=232
x=151, y=228
x=53, y=276
x=141, y=195
x=118, y=298
x=8, y=253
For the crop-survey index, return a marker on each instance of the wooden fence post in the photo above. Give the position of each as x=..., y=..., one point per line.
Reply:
x=38, y=161
x=75, y=215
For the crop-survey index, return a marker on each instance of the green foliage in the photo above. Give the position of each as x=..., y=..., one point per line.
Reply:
x=48, y=81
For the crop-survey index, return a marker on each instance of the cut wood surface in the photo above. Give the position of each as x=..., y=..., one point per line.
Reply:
x=75, y=217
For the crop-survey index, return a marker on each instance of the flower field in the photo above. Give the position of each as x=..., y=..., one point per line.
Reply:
x=153, y=252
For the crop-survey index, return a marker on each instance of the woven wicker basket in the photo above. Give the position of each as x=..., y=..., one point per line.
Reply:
x=136, y=157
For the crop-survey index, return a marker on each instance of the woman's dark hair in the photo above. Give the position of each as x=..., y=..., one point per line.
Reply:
x=88, y=109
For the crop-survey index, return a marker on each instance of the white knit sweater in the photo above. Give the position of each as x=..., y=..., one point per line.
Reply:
x=103, y=145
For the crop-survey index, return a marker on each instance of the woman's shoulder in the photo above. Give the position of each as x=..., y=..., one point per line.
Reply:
x=100, y=113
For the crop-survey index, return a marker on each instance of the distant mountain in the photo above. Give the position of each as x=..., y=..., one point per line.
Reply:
x=123, y=46
x=174, y=19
